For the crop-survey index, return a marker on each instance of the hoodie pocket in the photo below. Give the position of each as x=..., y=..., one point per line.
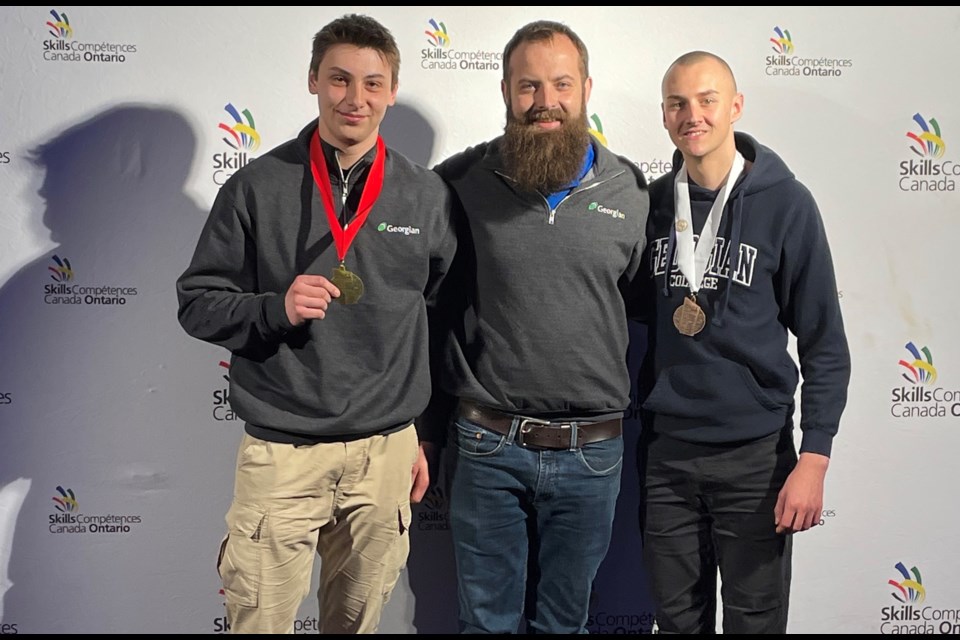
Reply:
x=708, y=390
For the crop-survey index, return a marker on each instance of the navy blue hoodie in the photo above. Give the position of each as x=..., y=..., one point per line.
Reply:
x=770, y=272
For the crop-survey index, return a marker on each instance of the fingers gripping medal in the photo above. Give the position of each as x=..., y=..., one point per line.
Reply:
x=689, y=318
x=349, y=283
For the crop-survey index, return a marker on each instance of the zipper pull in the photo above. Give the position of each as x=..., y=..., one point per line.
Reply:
x=344, y=180
x=553, y=214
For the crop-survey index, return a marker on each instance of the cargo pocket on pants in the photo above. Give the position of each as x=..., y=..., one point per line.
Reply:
x=241, y=555
x=398, y=553
x=405, y=517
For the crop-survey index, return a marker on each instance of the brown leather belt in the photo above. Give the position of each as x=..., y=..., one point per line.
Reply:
x=541, y=434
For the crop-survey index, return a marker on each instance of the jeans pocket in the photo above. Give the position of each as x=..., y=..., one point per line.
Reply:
x=474, y=440
x=602, y=458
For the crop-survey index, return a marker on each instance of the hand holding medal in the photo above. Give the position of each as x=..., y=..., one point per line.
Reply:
x=308, y=298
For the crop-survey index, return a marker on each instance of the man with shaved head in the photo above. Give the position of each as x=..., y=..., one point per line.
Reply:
x=737, y=260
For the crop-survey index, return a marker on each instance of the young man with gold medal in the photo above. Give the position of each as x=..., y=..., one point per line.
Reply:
x=330, y=460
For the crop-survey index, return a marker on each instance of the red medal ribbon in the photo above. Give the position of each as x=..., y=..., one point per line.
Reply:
x=342, y=238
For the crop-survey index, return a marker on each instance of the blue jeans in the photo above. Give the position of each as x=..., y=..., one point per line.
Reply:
x=530, y=529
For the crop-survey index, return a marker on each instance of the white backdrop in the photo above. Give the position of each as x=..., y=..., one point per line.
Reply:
x=117, y=443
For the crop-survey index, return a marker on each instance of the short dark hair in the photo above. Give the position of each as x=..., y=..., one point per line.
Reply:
x=539, y=31
x=361, y=31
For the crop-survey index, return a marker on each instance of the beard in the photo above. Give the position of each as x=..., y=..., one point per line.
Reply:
x=544, y=160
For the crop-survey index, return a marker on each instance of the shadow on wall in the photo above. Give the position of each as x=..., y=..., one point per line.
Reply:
x=11, y=499
x=430, y=569
x=96, y=412
x=82, y=328
x=407, y=131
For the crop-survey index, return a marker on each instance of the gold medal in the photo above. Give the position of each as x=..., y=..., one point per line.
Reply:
x=349, y=283
x=689, y=318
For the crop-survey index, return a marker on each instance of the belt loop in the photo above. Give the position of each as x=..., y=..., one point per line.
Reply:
x=574, y=432
x=514, y=434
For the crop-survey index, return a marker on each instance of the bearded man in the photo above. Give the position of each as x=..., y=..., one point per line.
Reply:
x=536, y=349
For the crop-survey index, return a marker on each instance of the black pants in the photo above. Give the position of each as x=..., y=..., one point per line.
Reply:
x=706, y=508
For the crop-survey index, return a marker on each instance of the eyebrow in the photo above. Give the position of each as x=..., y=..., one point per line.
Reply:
x=562, y=76
x=343, y=72
x=699, y=95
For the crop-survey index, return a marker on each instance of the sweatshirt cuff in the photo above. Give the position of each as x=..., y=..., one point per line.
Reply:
x=275, y=315
x=816, y=441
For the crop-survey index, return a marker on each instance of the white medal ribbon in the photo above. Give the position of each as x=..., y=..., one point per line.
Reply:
x=693, y=257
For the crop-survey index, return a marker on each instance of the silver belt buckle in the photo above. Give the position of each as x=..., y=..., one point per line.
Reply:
x=526, y=426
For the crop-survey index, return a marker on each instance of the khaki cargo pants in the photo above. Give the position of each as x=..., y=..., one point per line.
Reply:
x=349, y=502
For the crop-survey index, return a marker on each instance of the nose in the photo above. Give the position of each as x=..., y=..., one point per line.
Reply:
x=546, y=97
x=355, y=93
x=694, y=112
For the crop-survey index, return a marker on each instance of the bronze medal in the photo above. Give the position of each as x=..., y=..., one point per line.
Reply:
x=349, y=283
x=689, y=318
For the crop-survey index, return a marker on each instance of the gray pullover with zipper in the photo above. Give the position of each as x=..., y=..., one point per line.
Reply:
x=545, y=309
x=364, y=368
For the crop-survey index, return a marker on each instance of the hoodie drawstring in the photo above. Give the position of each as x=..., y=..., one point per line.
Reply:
x=671, y=246
x=733, y=260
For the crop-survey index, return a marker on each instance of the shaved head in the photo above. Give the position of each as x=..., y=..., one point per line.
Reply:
x=700, y=105
x=693, y=57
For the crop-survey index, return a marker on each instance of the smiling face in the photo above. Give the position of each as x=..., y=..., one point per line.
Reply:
x=546, y=95
x=354, y=88
x=546, y=86
x=700, y=105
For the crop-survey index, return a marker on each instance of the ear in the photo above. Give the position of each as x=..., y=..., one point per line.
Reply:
x=505, y=92
x=393, y=93
x=311, y=82
x=736, y=108
x=663, y=116
x=587, y=88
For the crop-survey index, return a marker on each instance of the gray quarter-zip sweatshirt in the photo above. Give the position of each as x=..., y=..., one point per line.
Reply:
x=362, y=370
x=545, y=330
